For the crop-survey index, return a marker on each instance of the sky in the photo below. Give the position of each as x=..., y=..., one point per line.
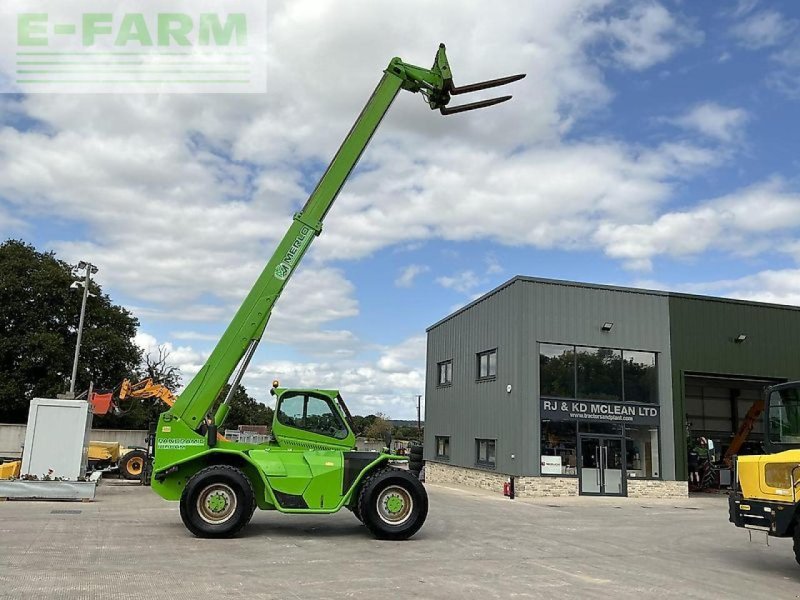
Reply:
x=652, y=144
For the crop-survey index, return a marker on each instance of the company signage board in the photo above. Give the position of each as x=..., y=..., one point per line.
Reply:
x=604, y=412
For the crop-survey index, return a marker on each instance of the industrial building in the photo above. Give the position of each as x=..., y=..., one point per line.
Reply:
x=575, y=388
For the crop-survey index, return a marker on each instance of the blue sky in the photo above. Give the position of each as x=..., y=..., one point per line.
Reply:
x=652, y=144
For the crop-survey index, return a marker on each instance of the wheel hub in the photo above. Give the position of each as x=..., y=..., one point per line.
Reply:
x=216, y=503
x=394, y=505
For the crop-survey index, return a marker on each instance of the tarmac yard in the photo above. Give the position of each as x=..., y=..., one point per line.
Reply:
x=131, y=544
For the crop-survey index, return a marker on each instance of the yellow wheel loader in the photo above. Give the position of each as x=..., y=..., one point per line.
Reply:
x=130, y=461
x=767, y=494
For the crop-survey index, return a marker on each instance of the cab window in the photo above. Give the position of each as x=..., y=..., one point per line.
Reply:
x=784, y=416
x=312, y=414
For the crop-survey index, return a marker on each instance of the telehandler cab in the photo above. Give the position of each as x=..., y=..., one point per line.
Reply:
x=311, y=466
x=767, y=494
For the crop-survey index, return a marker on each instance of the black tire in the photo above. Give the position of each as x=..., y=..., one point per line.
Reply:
x=355, y=510
x=797, y=542
x=405, y=494
x=131, y=465
x=217, y=502
x=415, y=465
x=415, y=452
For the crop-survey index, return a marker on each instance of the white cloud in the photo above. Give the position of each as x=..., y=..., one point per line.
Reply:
x=188, y=360
x=647, y=35
x=785, y=77
x=194, y=335
x=464, y=282
x=775, y=286
x=493, y=266
x=409, y=273
x=714, y=120
x=763, y=29
x=745, y=222
x=180, y=199
x=388, y=383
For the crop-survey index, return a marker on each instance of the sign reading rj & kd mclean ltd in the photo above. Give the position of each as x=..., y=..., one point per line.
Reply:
x=593, y=410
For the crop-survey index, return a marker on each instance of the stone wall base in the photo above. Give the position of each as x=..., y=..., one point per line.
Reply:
x=436, y=472
x=643, y=488
x=542, y=487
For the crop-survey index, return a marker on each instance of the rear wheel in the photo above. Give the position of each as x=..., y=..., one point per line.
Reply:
x=393, y=504
x=217, y=502
x=797, y=542
x=132, y=464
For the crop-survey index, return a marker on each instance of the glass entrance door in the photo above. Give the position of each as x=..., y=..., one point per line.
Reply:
x=602, y=466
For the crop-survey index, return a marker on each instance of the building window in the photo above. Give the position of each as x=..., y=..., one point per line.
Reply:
x=443, y=446
x=585, y=373
x=557, y=370
x=485, y=453
x=641, y=452
x=559, y=448
x=599, y=373
x=487, y=364
x=639, y=375
x=445, y=373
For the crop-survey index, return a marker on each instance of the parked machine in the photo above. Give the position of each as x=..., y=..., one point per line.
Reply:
x=767, y=497
x=131, y=462
x=311, y=466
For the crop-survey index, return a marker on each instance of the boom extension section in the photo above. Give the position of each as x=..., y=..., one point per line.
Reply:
x=247, y=327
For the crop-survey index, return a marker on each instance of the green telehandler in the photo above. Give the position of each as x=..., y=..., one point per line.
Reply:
x=311, y=466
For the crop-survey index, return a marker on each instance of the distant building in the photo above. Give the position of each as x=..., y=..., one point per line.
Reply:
x=575, y=388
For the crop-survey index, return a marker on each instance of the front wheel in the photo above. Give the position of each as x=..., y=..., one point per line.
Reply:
x=217, y=502
x=393, y=504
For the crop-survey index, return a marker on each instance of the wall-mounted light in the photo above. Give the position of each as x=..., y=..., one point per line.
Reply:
x=607, y=326
x=740, y=338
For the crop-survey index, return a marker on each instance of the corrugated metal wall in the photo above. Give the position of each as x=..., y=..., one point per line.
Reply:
x=467, y=410
x=515, y=319
x=573, y=314
x=703, y=332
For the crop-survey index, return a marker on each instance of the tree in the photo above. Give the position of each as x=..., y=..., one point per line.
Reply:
x=157, y=368
x=380, y=429
x=38, y=329
x=141, y=413
x=405, y=432
x=245, y=410
x=361, y=424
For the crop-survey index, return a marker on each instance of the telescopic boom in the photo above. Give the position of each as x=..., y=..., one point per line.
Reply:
x=238, y=343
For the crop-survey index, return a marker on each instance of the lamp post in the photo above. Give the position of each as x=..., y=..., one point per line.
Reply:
x=90, y=270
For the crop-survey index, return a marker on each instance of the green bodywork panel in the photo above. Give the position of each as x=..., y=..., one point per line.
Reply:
x=298, y=463
x=309, y=459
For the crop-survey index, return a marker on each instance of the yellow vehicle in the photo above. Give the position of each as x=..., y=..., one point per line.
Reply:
x=767, y=497
x=10, y=469
x=131, y=461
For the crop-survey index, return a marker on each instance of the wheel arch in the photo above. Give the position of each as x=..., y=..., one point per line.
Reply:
x=171, y=487
x=352, y=494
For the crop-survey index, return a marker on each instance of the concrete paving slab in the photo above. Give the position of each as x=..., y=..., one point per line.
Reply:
x=131, y=544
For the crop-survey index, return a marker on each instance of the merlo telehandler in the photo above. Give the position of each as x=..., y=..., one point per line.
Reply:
x=766, y=496
x=311, y=466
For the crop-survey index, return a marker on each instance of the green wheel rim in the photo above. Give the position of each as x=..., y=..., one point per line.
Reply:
x=395, y=505
x=216, y=503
